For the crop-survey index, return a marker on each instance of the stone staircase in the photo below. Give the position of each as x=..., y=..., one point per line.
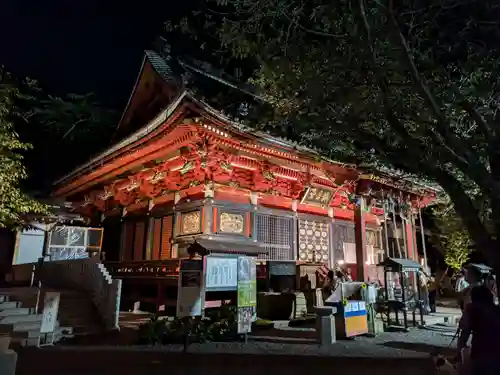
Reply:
x=77, y=315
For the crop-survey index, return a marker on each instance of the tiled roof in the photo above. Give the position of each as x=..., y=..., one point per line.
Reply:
x=171, y=72
x=161, y=66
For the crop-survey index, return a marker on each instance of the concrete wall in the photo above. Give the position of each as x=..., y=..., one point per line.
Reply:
x=101, y=361
x=8, y=360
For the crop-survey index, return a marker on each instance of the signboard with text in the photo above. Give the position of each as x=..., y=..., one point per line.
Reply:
x=221, y=273
x=191, y=292
x=50, y=312
x=247, y=293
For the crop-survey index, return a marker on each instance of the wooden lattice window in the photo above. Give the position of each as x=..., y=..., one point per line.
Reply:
x=162, y=237
x=276, y=234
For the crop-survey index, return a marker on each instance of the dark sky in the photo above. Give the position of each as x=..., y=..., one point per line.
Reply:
x=81, y=46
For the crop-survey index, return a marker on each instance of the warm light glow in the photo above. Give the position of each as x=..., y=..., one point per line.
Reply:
x=367, y=262
x=340, y=262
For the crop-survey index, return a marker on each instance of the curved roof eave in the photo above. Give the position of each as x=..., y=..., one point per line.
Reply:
x=142, y=132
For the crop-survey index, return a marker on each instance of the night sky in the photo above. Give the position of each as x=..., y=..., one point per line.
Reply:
x=87, y=47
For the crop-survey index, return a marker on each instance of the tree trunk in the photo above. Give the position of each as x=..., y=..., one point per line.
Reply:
x=494, y=154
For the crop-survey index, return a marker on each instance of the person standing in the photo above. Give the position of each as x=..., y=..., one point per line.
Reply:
x=424, y=292
x=330, y=284
x=481, y=319
x=461, y=286
x=348, y=275
x=432, y=288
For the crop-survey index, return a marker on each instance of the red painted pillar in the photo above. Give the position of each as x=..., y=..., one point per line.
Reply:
x=360, y=236
x=411, y=230
x=410, y=239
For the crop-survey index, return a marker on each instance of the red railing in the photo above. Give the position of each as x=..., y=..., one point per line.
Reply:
x=144, y=269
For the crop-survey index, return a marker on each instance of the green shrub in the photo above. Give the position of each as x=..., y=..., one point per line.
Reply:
x=217, y=325
x=152, y=333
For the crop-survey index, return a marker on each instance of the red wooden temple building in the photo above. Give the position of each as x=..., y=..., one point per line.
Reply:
x=185, y=171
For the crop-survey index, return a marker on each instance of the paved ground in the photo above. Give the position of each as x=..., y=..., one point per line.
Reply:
x=390, y=353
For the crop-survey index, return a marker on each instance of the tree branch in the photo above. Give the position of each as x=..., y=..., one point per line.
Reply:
x=469, y=163
x=468, y=213
x=481, y=122
x=443, y=124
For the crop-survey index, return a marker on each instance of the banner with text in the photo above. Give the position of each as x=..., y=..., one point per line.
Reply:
x=247, y=293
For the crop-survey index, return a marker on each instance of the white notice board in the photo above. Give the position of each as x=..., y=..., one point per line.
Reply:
x=50, y=311
x=221, y=273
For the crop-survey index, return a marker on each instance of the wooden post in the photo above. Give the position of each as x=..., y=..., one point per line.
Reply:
x=405, y=238
x=386, y=233
x=395, y=234
x=360, y=236
x=422, y=235
x=414, y=236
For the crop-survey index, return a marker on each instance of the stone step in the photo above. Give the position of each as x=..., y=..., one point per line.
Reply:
x=22, y=326
x=16, y=311
x=33, y=341
x=9, y=305
x=21, y=319
x=64, y=331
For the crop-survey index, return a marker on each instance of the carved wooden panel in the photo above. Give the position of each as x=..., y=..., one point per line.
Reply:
x=231, y=223
x=314, y=241
x=317, y=196
x=190, y=223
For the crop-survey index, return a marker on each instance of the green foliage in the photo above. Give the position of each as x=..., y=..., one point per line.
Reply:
x=75, y=126
x=450, y=236
x=408, y=85
x=218, y=325
x=42, y=136
x=152, y=332
x=456, y=252
x=14, y=204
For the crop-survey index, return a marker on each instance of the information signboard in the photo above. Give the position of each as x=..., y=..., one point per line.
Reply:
x=191, y=292
x=50, y=312
x=221, y=273
x=247, y=293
